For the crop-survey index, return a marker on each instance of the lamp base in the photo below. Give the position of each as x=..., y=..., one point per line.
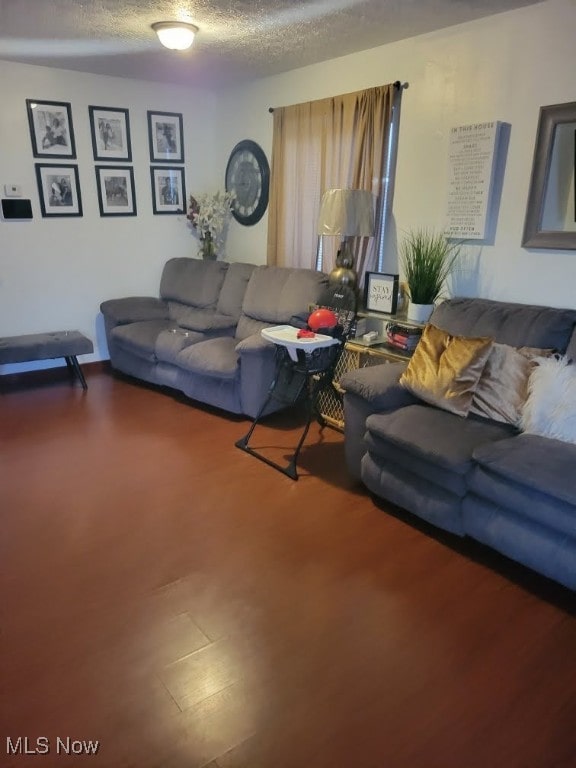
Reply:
x=344, y=273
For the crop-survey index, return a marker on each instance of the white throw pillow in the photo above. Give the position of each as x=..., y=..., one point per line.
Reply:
x=550, y=409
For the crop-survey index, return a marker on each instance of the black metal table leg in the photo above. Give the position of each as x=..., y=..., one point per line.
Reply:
x=291, y=380
x=74, y=366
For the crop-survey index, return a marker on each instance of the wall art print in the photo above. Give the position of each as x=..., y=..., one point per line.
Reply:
x=116, y=195
x=168, y=189
x=51, y=130
x=110, y=129
x=58, y=189
x=165, y=136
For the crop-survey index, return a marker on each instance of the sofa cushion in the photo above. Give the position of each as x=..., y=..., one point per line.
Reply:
x=532, y=475
x=550, y=409
x=275, y=294
x=445, y=370
x=172, y=341
x=214, y=357
x=140, y=338
x=206, y=321
x=192, y=281
x=434, y=438
x=234, y=289
x=514, y=324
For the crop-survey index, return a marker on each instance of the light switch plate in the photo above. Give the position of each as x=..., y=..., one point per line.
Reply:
x=12, y=190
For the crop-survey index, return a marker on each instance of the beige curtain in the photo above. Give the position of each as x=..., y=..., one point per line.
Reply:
x=339, y=142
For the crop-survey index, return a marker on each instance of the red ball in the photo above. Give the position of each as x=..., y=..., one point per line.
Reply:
x=322, y=318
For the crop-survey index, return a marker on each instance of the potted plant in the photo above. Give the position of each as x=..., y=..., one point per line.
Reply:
x=426, y=259
x=209, y=216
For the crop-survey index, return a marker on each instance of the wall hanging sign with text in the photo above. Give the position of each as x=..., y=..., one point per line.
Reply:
x=471, y=166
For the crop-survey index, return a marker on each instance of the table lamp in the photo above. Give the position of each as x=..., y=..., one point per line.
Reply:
x=348, y=213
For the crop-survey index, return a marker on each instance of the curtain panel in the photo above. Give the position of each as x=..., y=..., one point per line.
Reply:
x=338, y=142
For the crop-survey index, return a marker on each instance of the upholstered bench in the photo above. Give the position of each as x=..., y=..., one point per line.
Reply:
x=47, y=346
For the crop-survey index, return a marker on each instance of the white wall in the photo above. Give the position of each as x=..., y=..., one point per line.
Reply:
x=55, y=272
x=500, y=68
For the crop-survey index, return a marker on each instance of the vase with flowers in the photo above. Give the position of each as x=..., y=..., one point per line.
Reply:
x=210, y=216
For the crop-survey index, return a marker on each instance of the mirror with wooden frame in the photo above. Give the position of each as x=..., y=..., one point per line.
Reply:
x=551, y=211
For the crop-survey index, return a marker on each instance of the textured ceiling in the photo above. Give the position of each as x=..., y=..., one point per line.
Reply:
x=238, y=40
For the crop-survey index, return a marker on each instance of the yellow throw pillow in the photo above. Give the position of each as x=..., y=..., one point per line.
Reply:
x=445, y=370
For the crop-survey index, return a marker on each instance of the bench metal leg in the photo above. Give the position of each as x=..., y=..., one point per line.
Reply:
x=74, y=367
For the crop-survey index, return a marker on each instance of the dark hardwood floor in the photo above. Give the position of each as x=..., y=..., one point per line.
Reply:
x=185, y=605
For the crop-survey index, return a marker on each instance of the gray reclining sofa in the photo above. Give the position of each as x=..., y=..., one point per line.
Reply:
x=202, y=336
x=473, y=476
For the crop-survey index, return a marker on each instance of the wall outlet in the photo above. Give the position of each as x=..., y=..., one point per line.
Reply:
x=12, y=190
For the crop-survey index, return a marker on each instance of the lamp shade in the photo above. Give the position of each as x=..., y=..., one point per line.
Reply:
x=176, y=35
x=346, y=212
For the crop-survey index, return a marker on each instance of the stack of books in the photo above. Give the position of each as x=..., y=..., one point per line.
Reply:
x=402, y=336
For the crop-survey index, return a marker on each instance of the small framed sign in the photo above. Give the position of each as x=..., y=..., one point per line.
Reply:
x=381, y=293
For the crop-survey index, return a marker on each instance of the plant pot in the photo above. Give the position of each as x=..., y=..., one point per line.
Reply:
x=419, y=313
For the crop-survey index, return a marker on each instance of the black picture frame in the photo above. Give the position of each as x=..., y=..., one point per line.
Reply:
x=168, y=189
x=51, y=129
x=116, y=191
x=110, y=129
x=166, y=137
x=381, y=293
x=58, y=189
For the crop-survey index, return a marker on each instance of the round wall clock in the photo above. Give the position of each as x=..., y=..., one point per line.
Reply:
x=248, y=176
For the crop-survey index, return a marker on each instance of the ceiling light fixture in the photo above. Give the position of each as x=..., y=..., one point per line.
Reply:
x=176, y=35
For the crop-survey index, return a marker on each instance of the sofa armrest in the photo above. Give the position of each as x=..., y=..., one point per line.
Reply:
x=257, y=372
x=368, y=391
x=132, y=309
x=378, y=386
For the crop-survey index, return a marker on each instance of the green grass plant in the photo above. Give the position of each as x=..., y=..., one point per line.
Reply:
x=427, y=259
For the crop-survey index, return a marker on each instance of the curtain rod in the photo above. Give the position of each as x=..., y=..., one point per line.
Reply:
x=398, y=85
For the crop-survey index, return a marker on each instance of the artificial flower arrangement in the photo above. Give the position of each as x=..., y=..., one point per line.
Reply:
x=210, y=215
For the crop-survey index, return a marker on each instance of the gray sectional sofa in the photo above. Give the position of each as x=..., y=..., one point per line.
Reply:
x=202, y=336
x=472, y=476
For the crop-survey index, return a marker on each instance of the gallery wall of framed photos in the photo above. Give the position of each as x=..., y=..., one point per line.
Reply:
x=52, y=138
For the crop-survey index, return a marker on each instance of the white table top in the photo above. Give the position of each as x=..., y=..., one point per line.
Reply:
x=287, y=336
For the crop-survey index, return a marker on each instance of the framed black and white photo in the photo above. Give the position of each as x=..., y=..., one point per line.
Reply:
x=165, y=135
x=51, y=130
x=58, y=189
x=116, y=196
x=110, y=128
x=168, y=189
x=381, y=293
